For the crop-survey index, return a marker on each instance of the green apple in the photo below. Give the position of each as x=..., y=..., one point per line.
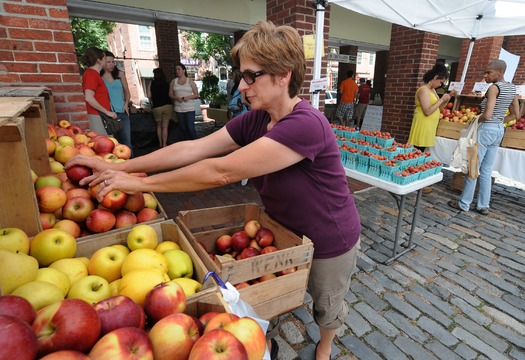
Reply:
x=48, y=180
x=15, y=240
x=107, y=262
x=74, y=268
x=179, y=264
x=142, y=236
x=91, y=289
x=66, y=140
x=55, y=277
x=39, y=293
x=16, y=269
x=51, y=245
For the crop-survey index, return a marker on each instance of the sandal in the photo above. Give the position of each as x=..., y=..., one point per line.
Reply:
x=275, y=349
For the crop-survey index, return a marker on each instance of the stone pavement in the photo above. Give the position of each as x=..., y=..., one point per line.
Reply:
x=460, y=294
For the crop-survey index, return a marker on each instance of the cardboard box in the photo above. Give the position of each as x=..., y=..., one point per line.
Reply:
x=269, y=298
x=451, y=130
x=166, y=230
x=514, y=139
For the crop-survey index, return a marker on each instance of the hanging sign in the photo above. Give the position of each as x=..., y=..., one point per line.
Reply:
x=481, y=87
x=318, y=84
x=309, y=46
x=342, y=58
x=456, y=85
x=520, y=90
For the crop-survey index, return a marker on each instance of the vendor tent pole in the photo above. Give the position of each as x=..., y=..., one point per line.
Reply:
x=319, y=43
x=467, y=61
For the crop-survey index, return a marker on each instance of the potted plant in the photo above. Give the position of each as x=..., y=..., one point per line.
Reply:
x=210, y=87
x=219, y=100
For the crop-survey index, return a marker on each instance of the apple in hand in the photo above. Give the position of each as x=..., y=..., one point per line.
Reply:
x=218, y=344
x=91, y=289
x=125, y=343
x=224, y=244
x=173, y=337
x=52, y=244
x=164, y=299
x=264, y=237
x=114, y=200
x=118, y=312
x=18, y=307
x=100, y=220
x=15, y=240
x=69, y=324
x=250, y=334
x=77, y=173
x=17, y=339
x=251, y=227
x=240, y=241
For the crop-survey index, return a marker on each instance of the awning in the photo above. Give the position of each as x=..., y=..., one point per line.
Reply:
x=146, y=72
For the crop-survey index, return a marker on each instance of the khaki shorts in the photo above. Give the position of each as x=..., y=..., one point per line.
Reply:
x=360, y=110
x=163, y=113
x=328, y=285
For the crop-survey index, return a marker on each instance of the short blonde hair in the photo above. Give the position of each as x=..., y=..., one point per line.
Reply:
x=278, y=49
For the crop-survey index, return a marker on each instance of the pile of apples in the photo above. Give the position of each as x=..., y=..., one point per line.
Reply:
x=66, y=205
x=56, y=302
x=464, y=115
x=516, y=124
x=254, y=240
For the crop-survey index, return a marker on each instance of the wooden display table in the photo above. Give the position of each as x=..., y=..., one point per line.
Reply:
x=37, y=91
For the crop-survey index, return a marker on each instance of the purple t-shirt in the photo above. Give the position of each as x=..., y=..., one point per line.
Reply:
x=311, y=197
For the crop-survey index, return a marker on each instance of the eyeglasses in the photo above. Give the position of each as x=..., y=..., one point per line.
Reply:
x=249, y=76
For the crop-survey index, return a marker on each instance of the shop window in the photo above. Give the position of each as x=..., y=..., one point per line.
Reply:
x=145, y=39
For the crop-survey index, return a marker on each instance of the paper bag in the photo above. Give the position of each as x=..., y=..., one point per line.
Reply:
x=473, y=162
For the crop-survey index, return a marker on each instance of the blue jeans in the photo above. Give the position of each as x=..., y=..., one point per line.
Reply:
x=187, y=124
x=489, y=138
x=124, y=135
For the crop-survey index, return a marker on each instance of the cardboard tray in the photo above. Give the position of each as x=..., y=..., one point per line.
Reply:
x=166, y=230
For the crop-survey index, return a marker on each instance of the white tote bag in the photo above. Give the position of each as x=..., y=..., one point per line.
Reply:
x=469, y=137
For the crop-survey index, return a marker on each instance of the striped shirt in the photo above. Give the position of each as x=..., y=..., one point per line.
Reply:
x=507, y=91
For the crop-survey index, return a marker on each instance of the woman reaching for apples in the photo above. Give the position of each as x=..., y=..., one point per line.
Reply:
x=287, y=150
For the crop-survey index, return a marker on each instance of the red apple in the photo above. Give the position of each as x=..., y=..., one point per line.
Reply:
x=242, y=285
x=114, y=200
x=134, y=202
x=164, y=299
x=267, y=277
x=288, y=271
x=206, y=317
x=117, y=312
x=224, y=244
x=50, y=198
x=70, y=324
x=76, y=129
x=146, y=214
x=100, y=220
x=48, y=220
x=248, y=253
x=65, y=355
x=80, y=139
x=122, y=151
x=18, y=307
x=103, y=145
x=51, y=132
x=173, y=337
x=17, y=339
x=93, y=190
x=268, y=249
x=251, y=228
x=77, y=209
x=240, y=241
x=199, y=324
x=68, y=185
x=125, y=218
x=218, y=344
x=219, y=320
x=77, y=173
x=250, y=334
x=78, y=192
x=264, y=237
x=125, y=343
x=51, y=146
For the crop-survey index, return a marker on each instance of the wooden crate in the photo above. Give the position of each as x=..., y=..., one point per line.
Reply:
x=38, y=91
x=204, y=302
x=451, y=130
x=467, y=100
x=269, y=298
x=514, y=139
x=166, y=230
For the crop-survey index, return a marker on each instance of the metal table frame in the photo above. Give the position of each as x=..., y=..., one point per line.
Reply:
x=399, y=192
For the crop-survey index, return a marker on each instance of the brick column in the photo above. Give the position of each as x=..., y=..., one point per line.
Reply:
x=37, y=49
x=516, y=45
x=301, y=15
x=168, y=49
x=485, y=50
x=380, y=70
x=412, y=53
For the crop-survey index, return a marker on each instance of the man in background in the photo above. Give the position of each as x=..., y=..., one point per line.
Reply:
x=362, y=104
x=349, y=91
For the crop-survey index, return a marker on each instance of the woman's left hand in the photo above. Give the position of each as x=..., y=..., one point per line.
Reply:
x=116, y=180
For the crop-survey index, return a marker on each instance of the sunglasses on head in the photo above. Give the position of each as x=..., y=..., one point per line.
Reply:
x=249, y=76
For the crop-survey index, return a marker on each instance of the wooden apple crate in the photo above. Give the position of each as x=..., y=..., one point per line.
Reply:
x=451, y=130
x=467, y=100
x=166, y=231
x=206, y=302
x=269, y=298
x=42, y=92
x=514, y=139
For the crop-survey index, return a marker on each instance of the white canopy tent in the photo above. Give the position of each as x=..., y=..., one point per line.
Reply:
x=466, y=19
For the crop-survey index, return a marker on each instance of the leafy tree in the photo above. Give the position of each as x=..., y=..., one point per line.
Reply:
x=206, y=45
x=88, y=33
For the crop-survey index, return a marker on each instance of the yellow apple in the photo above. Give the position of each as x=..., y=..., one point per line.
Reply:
x=136, y=284
x=113, y=286
x=52, y=244
x=74, y=268
x=164, y=246
x=150, y=201
x=189, y=286
x=16, y=269
x=39, y=293
x=91, y=288
x=15, y=240
x=107, y=262
x=85, y=260
x=142, y=236
x=179, y=264
x=56, y=167
x=144, y=259
x=123, y=248
x=55, y=277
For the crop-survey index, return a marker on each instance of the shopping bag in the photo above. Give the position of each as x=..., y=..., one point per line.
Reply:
x=468, y=139
x=473, y=162
x=237, y=305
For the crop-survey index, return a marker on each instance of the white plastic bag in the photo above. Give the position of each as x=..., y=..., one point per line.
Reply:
x=468, y=138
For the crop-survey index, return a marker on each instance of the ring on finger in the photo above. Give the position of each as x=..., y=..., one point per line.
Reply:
x=106, y=182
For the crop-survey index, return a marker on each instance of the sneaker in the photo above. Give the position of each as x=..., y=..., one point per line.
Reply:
x=484, y=211
x=455, y=205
